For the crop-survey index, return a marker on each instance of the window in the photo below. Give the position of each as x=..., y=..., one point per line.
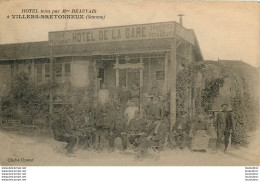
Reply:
x=58, y=70
x=67, y=69
x=39, y=73
x=30, y=69
x=47, y=70
x=159, y=75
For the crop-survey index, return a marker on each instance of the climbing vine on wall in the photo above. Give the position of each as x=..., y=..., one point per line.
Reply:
x=210, y=92
x=185, y=80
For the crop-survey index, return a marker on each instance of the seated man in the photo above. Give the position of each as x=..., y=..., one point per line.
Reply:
x=86, y=129
x=117, y=126
x=62, y=130
x=154, y=111
x=101, y=126
x=130, y=111
x=157, y=131
x=135, y=127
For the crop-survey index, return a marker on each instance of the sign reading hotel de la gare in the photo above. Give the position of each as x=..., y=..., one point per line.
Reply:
x=120, y=33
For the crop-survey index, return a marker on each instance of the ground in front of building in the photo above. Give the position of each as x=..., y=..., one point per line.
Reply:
x=48, y=152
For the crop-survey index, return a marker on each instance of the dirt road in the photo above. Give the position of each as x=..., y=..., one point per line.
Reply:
x=48, y=152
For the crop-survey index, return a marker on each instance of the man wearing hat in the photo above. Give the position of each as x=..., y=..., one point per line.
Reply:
x=224, y=126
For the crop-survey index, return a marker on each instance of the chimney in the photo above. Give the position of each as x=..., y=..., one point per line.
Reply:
x=180, y=20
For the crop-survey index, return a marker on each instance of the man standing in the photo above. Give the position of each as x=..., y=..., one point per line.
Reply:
x=155, y=91
x=135, y=94
x=103, y=95
x=123, y=96
x=224, y=126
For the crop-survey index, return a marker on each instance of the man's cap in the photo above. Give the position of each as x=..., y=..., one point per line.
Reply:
x=224, y=104
x=153, y=96
x=56, y=110
x=183, y=112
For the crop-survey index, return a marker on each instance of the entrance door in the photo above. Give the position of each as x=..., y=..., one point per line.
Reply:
x=133, y=78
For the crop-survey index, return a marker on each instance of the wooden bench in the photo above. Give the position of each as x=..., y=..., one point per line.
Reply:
x=12, y=125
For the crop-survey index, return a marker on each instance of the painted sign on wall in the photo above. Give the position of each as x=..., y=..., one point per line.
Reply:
x=120, y=33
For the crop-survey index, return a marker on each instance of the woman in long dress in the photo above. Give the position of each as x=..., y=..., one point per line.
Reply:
x=200, y=136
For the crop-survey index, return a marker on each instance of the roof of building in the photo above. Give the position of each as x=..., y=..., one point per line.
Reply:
x=34, y=50
x=239, y=63
x=229, y=63
x=24, y=51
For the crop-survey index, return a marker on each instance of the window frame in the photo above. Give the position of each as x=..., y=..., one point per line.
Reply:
x=160, y=75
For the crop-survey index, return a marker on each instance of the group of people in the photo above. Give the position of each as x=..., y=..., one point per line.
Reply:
x=99, y=127
x=196, y=134
x=139, y=128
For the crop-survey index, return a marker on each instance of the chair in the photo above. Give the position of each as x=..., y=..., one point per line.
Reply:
x=131, y=146
x=89, y=136
x=158, y=147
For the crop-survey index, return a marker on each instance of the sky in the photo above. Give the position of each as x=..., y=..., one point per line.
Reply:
x=225, y=30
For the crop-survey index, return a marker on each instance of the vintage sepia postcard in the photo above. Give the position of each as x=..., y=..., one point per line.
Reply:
x=119, y=83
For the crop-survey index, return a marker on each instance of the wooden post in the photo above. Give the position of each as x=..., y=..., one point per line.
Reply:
x=149, y=73
x=189, y=102
x=141, y=82
x=33, y=72
x=190, y=52
x=141, y=74
x=173, y=60
x=126, y=78
x=97, y=80
x=117, y=75
x=166, y=72
x=12, y=73
x=51, y=79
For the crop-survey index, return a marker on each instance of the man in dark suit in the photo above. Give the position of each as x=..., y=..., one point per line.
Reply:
x=63, y=130
x=224, y=126
x=155, y=136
